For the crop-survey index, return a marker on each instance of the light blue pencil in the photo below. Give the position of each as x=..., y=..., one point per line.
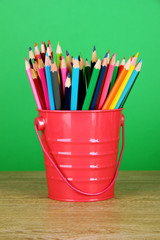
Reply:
x=129, y=85
x=75, y=83
x=49, y=81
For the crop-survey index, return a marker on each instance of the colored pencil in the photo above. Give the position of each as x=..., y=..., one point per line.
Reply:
x=88, y=71
x=41, y=69
x=82, y=85
x=92, y=85
x=93, y=59
x=107, y=81
x=49, y=51
x=58, y=54
x=49, y=82
x=50, y=47
x=99, y=82
x=28, y=70
x=114, y=76
x=69, y=63
x=43, y=51
x=37, y=84
x=45, y=46
x=31, y=56
x=103, y=81
x=75, y=84
x=36, y=52
x=55, y=86
x=64, y=72
x=67, y=96
x=129, y=85
x=116, y=86
x=121, y=66
x=123, y=84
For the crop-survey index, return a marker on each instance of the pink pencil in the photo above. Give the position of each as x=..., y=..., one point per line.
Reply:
x=64, y=72
x=43, y=81
x=28, y=70
x=107, y=81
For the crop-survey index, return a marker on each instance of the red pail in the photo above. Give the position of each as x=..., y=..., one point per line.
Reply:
x=80, y=151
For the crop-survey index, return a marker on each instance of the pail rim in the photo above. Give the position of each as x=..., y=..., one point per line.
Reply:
x=79, y=111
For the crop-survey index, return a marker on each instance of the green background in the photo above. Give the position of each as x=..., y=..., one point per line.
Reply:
x=124, y=27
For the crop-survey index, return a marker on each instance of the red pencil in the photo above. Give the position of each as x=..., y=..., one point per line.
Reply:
x=49, y=43
x=37, y=83
x=121, y=66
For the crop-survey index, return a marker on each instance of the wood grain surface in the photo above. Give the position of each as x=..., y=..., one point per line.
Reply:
x=27, y=213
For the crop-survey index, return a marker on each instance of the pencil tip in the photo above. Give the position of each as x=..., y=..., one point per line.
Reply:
x=49, y=42
x=47, y=54
x=58, y=43
x=42, y=42
x=94, y=48
x=136, y=56
x=39, y=56
x=124, y=58
x=25, y=59
x=30, y=49
x=76, y=58
x=67, y=53
x=35, y=44
x=114, y=54
x=141, y=60
x=108, y=51
x=68, y=74
x=106, y=55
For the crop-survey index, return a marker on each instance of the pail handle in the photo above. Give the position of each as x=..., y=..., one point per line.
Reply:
x=39, y=125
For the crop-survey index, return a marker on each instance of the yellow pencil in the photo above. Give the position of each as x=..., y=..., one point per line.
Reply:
x=120, y=90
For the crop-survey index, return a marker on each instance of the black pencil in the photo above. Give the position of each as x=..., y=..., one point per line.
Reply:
x=55, y=85
x=67, y=96
x=93, y=59
x=88, y=71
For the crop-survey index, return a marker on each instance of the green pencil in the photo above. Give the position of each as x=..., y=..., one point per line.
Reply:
x=58, y=54
x=92, y=85
x=114, y=76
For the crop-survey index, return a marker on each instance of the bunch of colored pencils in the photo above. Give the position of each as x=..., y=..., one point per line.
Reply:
x=72, y=84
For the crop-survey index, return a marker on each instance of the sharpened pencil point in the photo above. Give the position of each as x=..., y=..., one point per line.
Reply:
x=39, y=57
x=35, y=44
x=42, y=42
x=137, y=54
x=108, y=51
x=94, y=48
x=141, y=60
x=67, y=53
x=47, y=54
x=49, y=42
x=25, y=59
x=68, y=75
x=76, y=58
x=30, y=49
x=106, y=55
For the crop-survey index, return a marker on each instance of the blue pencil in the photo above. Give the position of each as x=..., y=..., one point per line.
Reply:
x=99, y=83
x=75, y=83
x=49, y=82
x=129, y=85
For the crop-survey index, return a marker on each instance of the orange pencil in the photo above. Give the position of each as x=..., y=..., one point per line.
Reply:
x=116, y=86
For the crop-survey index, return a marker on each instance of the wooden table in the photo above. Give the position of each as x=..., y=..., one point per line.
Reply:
x=27, y=213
